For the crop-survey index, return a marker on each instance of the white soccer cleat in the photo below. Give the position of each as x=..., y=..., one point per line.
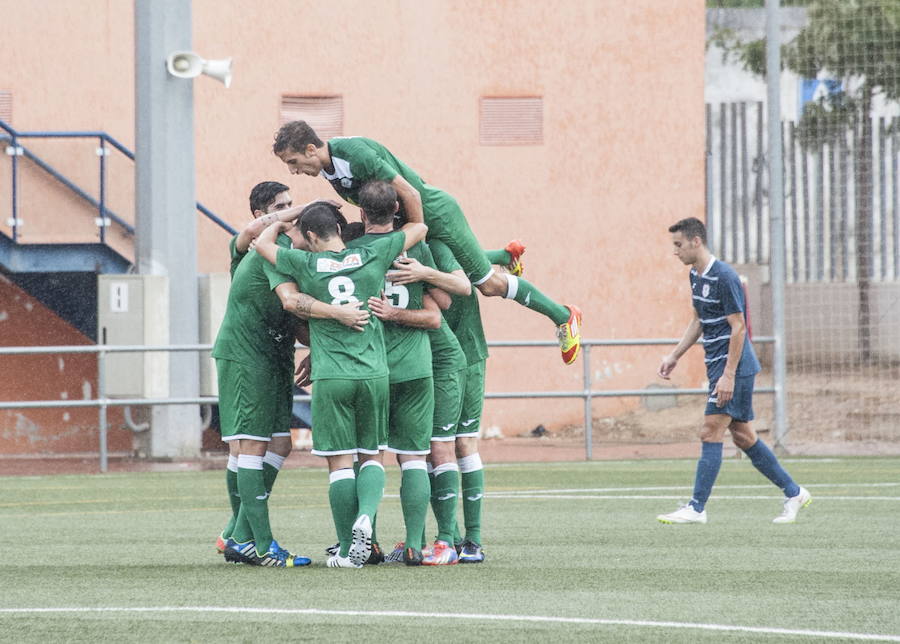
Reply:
x=361, y=547
x=685, y=514
x=792, y=506
x=337, y=561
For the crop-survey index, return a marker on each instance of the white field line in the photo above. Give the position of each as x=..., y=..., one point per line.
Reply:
x=682, y=487
x=761, y=630
x=677, y=497
x=591, y=493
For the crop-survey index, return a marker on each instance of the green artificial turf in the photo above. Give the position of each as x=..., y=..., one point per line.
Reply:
x=563, y=540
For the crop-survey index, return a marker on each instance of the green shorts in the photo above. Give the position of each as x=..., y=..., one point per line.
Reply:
x=409, y=419
x=349, y=416
x=447, y=223
x=254, y=402
x=473, y=400
x=448, y=400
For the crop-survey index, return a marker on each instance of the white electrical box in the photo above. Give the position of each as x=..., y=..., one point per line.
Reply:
x=134, y=310
x=213, y=290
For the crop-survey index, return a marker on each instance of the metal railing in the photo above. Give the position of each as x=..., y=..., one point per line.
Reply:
x=14, y=149
x=587, y=393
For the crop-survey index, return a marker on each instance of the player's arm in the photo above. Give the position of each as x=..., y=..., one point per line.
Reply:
x=428, y=317
x=265, y=243
x=725, y=385
x=688, y=339
x=252, y=230
x=444, y=301
x=410, y=198
x=414, y=234
x=306, y=307
x=303, y=372
x=408, y=270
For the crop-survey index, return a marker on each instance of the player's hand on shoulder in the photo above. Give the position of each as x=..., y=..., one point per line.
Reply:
x=406, y=271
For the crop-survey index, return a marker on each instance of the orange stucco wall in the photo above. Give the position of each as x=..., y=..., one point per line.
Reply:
x=622, y=86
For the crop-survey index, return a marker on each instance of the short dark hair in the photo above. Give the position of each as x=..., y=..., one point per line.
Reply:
x=353, y=230
x=321, y=218
x=379, y=201
x=295, y=135
x=263, y=194
x=690, y=228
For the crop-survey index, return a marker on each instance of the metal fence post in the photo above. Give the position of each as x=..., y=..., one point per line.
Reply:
x=14, y=149
x=776, y=208
x=101, y=395
x=101, y=219
x=588, y=409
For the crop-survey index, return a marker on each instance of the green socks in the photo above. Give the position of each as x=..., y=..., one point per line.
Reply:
x=342, y=497
x=444, y=493
x=272, y=463
x=499, y=257
x=415, y=489
x=253, y=516
x=472, y=474
x=233, y=497
x=370, y=487
x=525, y=293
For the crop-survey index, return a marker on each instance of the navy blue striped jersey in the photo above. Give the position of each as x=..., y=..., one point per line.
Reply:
x=716, y=294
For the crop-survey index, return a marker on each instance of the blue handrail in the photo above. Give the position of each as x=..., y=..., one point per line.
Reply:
x=100, y=205
x=46, y=167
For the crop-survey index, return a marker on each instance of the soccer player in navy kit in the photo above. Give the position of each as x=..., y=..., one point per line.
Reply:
x=731, y=366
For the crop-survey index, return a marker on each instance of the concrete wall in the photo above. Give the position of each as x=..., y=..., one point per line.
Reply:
x=822, y=325
x=622, y=85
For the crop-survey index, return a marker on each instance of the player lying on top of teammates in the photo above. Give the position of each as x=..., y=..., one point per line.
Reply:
x=254, y=352
x=349, y=369
x=350, y=162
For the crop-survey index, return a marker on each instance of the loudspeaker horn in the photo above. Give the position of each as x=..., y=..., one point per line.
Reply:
x=218, y=69
x=187, y=64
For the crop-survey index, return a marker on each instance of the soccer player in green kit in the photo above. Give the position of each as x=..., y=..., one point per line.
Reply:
x=254, y=355
x=349, y=370
x=454, y=452
x=408, y=313
x=350, y=162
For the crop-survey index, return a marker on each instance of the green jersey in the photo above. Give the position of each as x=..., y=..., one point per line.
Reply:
x=255, y=326
x=408, y=348
x=342, y=277
x=446, y=354
x=358, y=160
x=236, y=257
x=464, y=314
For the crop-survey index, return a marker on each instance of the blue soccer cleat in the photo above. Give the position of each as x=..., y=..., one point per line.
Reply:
x=274, y=557
x=470, y=552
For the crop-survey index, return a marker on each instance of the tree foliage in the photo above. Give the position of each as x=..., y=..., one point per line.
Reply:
x=854, y=41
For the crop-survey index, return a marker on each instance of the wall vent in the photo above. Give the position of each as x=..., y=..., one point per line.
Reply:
x=511, y=120
x=325, y=114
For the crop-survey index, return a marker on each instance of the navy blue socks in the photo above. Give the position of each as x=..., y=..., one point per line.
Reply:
x=766, y=462
x=707, y=471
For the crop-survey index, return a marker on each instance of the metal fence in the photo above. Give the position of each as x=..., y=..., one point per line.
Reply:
x=824, y=228
x=587, y=393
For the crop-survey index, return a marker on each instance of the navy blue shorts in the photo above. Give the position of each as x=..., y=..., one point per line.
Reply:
x=740, y=407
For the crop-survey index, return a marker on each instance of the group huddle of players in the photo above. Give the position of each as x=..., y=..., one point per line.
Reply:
x=389, y=310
